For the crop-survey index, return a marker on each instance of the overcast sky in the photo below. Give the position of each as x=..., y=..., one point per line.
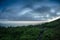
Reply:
x=29, y=10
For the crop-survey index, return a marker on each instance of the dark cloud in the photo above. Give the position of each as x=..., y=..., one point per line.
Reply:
x=29, y=10
x=58, y=1
x=43, y=9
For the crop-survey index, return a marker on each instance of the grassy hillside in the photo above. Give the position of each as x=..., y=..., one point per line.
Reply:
x=19, y=33
x=47, y=31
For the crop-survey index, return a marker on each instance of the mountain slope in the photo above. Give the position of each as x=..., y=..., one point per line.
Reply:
x=51, y=30
x=52, y=24
x=47, y=31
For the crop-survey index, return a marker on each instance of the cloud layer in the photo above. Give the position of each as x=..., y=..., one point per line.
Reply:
x=29, y=10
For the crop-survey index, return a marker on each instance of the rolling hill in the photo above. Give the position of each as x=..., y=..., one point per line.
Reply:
x=46, y=31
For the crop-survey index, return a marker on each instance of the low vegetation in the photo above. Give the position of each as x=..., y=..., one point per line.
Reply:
x=47, y=31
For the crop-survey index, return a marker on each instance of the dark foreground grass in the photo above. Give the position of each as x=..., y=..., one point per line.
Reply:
x=29, y=33
x=19, y=33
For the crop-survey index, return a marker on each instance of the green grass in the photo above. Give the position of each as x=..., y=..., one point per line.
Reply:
x=47, y=31
x=19, y=33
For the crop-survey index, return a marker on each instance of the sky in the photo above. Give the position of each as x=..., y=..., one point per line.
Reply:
x=29, y=10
